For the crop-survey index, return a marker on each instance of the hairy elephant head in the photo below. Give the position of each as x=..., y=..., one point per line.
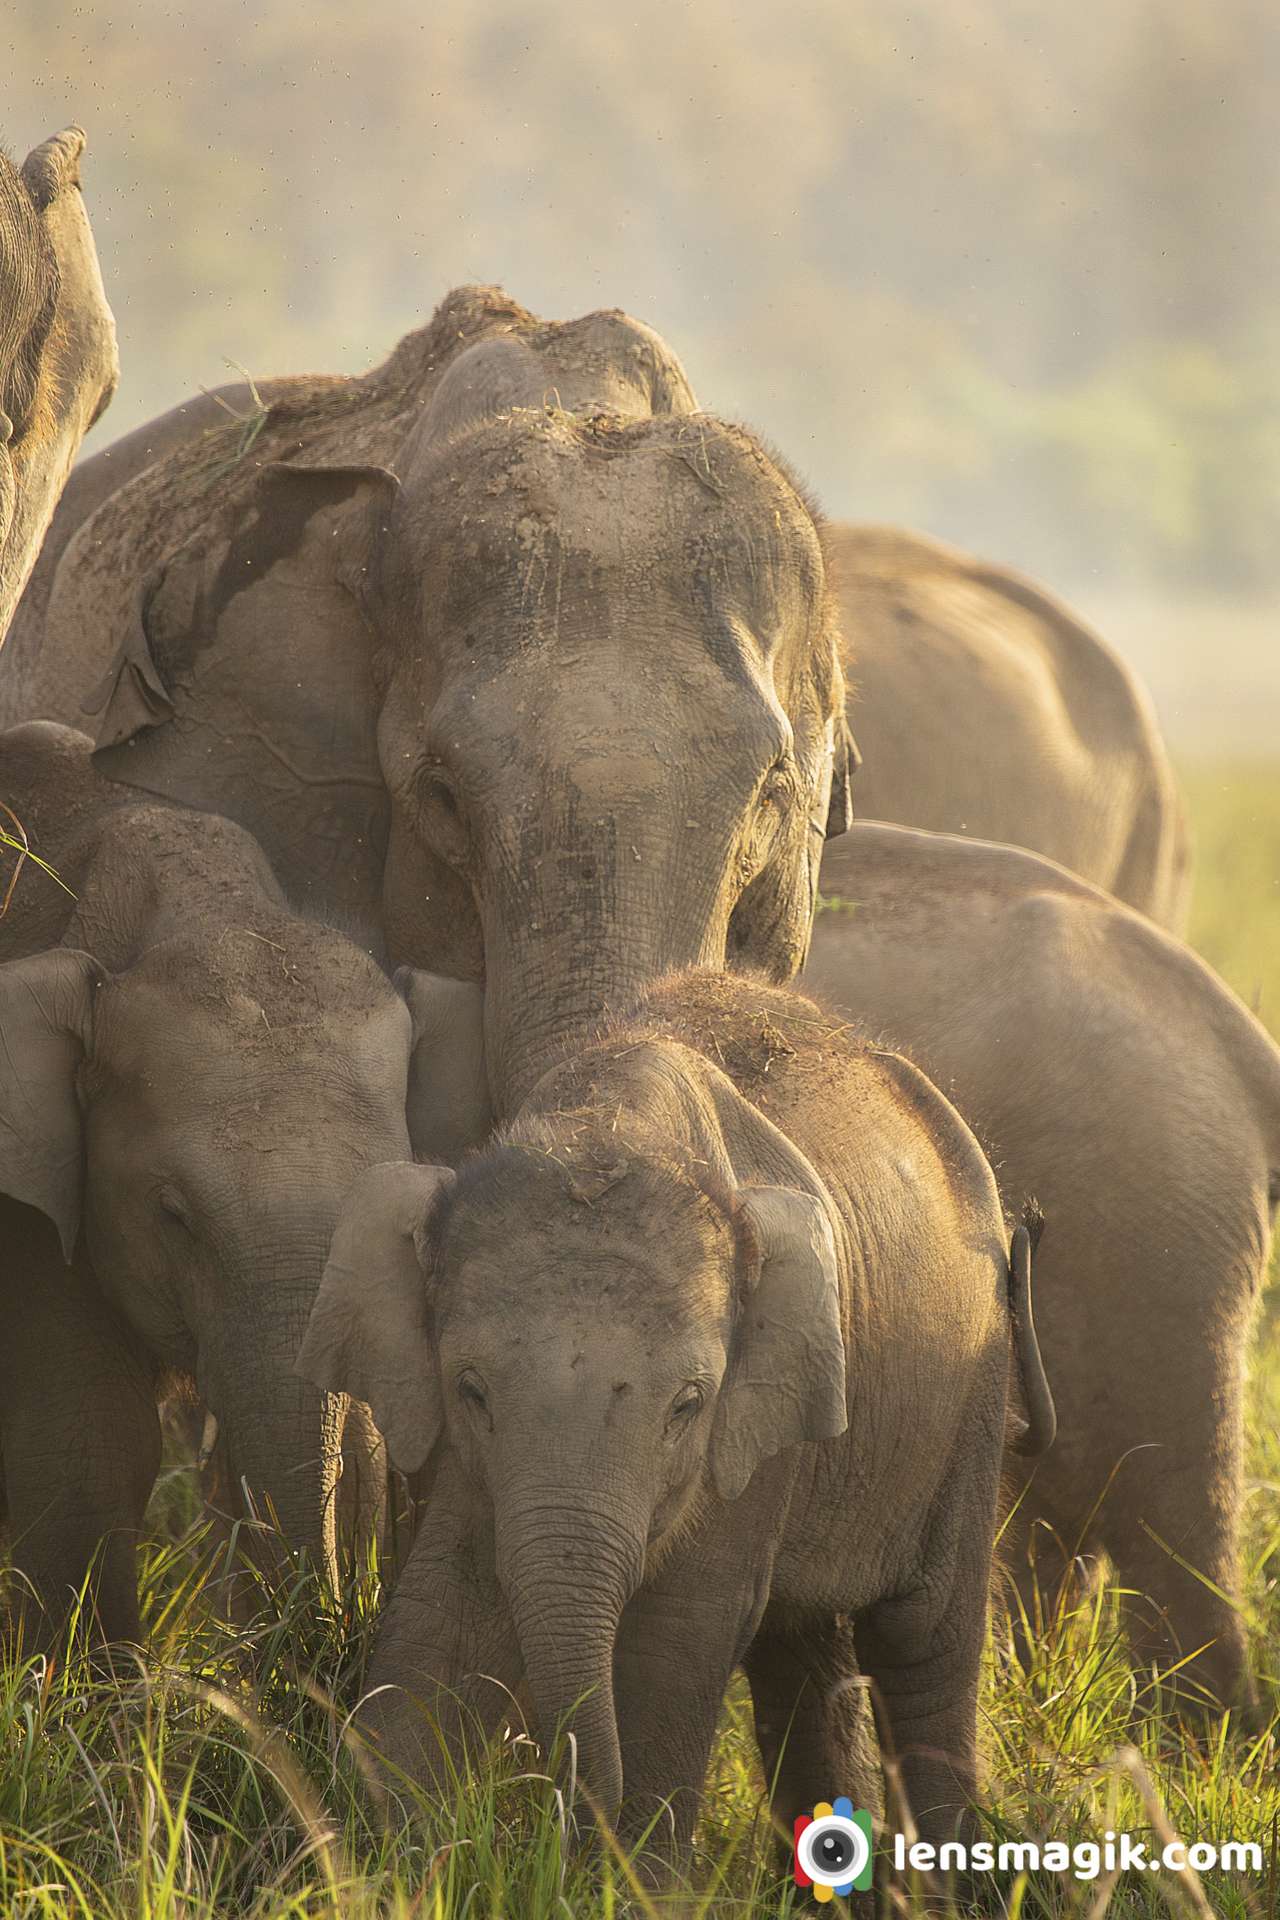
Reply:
x=513, y=650
x=198, y=1114
x=612, y=706
x=604, y=1339
x=245, y=609
x=58, y=363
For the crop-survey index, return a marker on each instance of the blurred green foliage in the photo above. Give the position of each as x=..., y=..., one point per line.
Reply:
x=1002, y=270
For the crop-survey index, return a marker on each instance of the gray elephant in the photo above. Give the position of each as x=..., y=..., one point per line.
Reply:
x=984, y=706
x=58, y=365
x=190, y=1075
x=1112, y=1075
x=989, y=707
x=711, y=1346
x=563, y=684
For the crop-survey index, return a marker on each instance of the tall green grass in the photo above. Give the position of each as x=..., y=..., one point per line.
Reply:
x=220, y=1776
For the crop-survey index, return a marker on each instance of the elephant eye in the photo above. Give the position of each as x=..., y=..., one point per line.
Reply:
x=472, y=1394
x=779, y=787
x=440, y=812
x=172, y=1212
x=686, y=1404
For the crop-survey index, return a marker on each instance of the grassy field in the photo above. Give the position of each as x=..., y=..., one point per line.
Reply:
x=177, y=1789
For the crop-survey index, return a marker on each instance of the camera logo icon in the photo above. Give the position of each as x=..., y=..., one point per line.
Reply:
x=833, y=1849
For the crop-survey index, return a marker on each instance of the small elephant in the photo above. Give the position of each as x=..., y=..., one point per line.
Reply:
x=1111, y=1074
x=713, y=1346
x=986, y=707
x=58, y=363
x=190, y=1076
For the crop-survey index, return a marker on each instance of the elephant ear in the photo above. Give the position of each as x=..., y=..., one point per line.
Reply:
x=786, y=1379
x=368, y=1334
x=46, y=1019
x=448, y=1110
x=243, y=681
x=845, y=762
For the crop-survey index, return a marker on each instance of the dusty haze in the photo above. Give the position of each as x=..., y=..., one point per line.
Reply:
x=1000, y=270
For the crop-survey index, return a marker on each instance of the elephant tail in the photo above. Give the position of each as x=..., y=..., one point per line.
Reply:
x=1035, y=1426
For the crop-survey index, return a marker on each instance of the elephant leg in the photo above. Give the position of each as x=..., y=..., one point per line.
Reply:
x=446, y=1664
x=814, y=1725
x=813, y=1719
x=1175, y=1552
x=79, y=1436
x=922, y=1651
x=679, y=1640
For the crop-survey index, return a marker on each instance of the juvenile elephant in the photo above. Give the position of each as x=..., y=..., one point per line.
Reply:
x=58, y=366
x=1110, y=1073
x=563, y=683
x=190, y=1075
x=984, y=706
x=714, y=1344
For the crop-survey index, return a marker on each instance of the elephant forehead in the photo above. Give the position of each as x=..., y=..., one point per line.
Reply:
x=569, y=1304
x=584, y=1219
x=213, y=1039
x=618, y=493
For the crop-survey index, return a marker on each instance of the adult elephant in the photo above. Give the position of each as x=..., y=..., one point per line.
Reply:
x=58, y=365
x=551, y=691
x=1112, y=1075
x=986, y=707
x=603, y=360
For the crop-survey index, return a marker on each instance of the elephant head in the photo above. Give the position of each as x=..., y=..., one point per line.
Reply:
x=612, y=709
x=606, y=1338
x=58, y=364
x=555, y=669
x=242, y=607
x=197, y=1113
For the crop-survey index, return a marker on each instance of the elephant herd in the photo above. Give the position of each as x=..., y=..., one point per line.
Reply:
x=444, y=773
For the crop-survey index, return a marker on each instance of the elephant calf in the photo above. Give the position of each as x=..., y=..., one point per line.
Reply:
x=714, y=1343
x=1109, y=1072
x=190, y=1075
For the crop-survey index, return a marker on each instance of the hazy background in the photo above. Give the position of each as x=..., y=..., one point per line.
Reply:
x=1005, y=270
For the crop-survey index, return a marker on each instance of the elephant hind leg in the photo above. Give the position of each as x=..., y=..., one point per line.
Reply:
x=1171, y=1526
x=1182, y=1582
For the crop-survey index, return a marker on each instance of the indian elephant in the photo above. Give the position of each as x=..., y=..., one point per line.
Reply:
x=58, y=365
x=603, y=361
x=190, y=1075
x=986, y=707
x=989, y=708
x=1111, y=1074
x=562, y=684
x=711, y=1346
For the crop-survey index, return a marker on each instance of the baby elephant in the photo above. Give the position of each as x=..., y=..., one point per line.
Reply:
x=713, y=1345
x=190, y=1073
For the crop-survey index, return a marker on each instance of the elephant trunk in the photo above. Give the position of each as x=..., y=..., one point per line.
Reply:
x=567, y=1574
x=580, y=934
x=281, y=1440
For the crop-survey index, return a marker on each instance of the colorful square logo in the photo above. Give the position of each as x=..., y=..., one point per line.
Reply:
x=833, y=1849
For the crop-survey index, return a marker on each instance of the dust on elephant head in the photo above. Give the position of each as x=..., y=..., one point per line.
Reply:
x=501, y=659
x=58, y=366
x=610, y=711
